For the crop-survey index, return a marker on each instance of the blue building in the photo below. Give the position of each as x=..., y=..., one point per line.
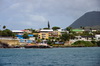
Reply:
x=21, y=36
x=22, y=40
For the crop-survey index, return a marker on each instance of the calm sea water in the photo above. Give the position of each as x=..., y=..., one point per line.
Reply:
x=84, y=56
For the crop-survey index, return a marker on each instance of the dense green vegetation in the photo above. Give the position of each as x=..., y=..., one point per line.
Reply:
x=32, y=30
x=55, y=28
x=45, y=28
x=6, y=33
x=84, y=44
x=25, y=35
x=67, y=36
x=98, y=43
x=69, y=29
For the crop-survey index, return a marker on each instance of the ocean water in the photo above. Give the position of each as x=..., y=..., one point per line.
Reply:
x=78, y=56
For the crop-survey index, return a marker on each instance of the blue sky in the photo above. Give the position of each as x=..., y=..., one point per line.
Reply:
x=22, y=14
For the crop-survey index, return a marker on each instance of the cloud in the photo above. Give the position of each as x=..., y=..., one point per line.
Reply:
x=16, y=5
x=55, y=7
x=30, y=13
x=37, y=18
x=27, y=21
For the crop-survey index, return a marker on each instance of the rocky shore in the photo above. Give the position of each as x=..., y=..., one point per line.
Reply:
x=4, y=45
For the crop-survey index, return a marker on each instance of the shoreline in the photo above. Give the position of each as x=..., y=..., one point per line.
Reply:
x=42, y=47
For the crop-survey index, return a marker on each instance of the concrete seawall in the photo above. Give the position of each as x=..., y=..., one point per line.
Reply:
x=10, y=42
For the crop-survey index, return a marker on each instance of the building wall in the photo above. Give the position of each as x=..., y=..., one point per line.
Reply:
x=56, y=34
x=97, y=37
x=46, y=35
x=43, y=35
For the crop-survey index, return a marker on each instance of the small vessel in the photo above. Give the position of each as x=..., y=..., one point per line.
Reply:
x=22, y=47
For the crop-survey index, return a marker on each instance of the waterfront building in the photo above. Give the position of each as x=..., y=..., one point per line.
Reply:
x=27, y=31
x=18, y=32
x=47, y=33
x=97, y=37
x=43, y=35
x=78, y=30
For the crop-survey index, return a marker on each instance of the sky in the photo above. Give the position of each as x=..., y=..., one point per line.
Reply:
x=23, y=14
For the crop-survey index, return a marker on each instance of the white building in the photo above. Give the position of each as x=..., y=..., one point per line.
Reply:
x=19, y=32
x=62, y=30
x=97, y=37
x=46, y=30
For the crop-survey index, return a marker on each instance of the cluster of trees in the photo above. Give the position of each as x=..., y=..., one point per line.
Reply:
x=86, y=43
x=25, y=36
x=66, y=36
x=83, y=44
x=6, y=33
x=32, y=30
x=54, y=28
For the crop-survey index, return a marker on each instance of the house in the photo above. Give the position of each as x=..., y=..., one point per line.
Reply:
x=84, y=38
x=46, y=33
x=46, y=30
x=31, y=36
x=43, y=35
x=97, y=37
x=55, y=34
x=77, y=30
x=18, y=32
x=27, y=31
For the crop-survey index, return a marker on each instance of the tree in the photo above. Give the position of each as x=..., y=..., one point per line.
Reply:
x=25, y=36
x=7, y=33
x=85, y=33
x=34, y=31
x=45, y=28
x=48, y=25
x=83, y=43
x=55, y=28
x=38, y=41
x=65, y=37
x=82, y=27
x=0, y=33
x=49, y=42
x=4, y=27
x=69, y=29
x=98, y=43
x=13, y=35
x=90, y=29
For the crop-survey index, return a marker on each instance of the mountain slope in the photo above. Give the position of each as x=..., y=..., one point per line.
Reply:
x=89, y=19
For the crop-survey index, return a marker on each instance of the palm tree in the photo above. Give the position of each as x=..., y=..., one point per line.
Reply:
x=91, y=29
x=4, y=27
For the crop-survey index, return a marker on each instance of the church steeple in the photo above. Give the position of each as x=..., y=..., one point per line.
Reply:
x=48, y=25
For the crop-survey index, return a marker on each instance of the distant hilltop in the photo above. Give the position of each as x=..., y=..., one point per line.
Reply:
x=88, y=20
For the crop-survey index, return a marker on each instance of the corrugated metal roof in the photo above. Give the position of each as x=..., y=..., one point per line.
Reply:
x=17, y=31
x=77, y=30
x=46, y=30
